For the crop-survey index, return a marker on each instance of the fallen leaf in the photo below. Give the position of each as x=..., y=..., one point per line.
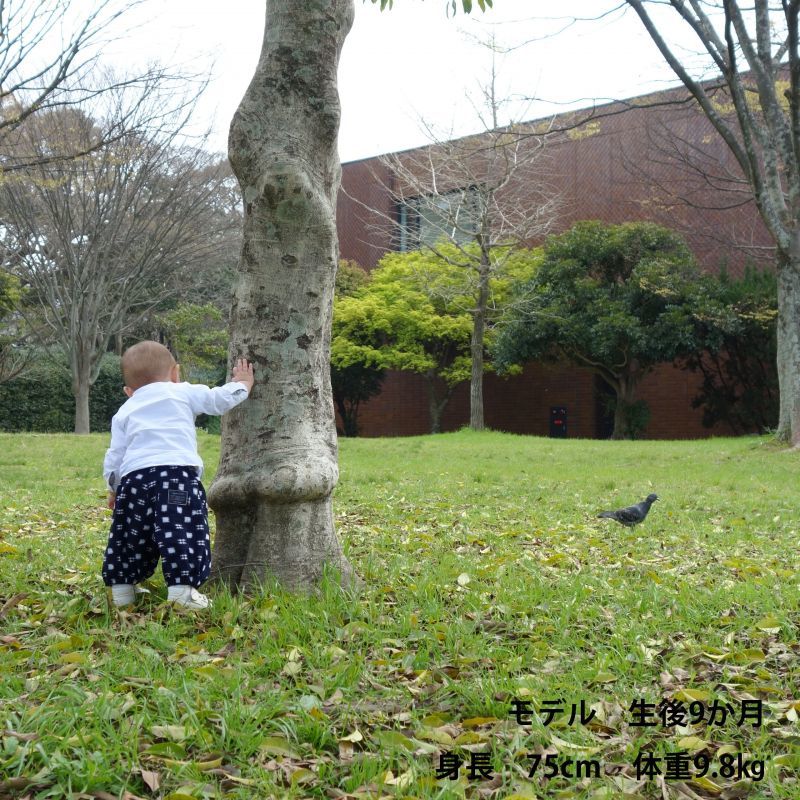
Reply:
x=691, y=695
x=11, y=602
x=346, y=752
x=209, y=762
x=603, y=677
x=302, y=776
x=390, y=739
x=707, y=785
x=401, y=781
x=693, y=744
x=475, y=722
x=23, y=737
x=278, y=746
x=292, y=668
x=152, y=779
x=175, y=733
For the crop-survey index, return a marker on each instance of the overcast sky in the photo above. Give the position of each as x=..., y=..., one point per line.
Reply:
x=413, y=62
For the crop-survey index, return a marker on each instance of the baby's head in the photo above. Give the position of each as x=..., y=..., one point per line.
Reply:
x=147, y=362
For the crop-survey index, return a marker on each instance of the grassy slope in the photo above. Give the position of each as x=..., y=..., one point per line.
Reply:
x=488, y=577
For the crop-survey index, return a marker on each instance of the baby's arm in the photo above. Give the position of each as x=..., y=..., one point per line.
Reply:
x=221, y=399
x=113, y=459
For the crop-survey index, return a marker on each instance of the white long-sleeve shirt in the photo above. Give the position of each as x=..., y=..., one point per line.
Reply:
x=155, y=426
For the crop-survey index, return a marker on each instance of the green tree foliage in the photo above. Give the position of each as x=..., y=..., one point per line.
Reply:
x=738, y=365
x=351, y=386
x=475, y=202
x=393, y=323
x=616, y=299
x=441, y=276
x=414, y=315
x=350, y=277
x=354, y=383
x=9, y=297
x=9, y=293
x=198, y=337
x=13, y=329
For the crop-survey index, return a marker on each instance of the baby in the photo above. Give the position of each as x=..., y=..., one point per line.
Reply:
x=153, y=470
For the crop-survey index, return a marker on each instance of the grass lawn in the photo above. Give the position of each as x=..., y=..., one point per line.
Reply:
x=488, y=580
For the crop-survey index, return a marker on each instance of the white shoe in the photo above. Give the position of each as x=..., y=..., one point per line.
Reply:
x=188, y=597
x=123, y=594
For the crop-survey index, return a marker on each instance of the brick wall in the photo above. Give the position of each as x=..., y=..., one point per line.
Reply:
x=631, y=167
x=522, y=403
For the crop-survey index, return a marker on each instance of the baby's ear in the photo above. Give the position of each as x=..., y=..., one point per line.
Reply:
x=128, y=391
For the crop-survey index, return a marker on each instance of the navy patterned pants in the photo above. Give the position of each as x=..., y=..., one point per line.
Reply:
x=159, y=512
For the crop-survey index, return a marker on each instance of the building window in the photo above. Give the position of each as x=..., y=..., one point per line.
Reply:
x=427, y=219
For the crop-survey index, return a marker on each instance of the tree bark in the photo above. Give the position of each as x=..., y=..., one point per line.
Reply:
x=789, y=344
x=626, y=396
x=81, y=388
x=436, y=404
x=348, y=413
x=476, y=421
x=83, y=376
x=764, y=141
x=278, y=466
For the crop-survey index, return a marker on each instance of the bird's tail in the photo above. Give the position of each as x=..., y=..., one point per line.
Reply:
x=606, y=514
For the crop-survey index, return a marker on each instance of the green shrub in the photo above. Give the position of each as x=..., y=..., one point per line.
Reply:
x=739, y=361
x=40, y=398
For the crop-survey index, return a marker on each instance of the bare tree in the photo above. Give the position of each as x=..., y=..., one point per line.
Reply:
x=102, y=238
x=45, y=66
x=696, y=188
x=755, y=47
x=486, y=194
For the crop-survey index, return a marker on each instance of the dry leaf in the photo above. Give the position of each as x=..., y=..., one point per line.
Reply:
x=11, y=602
x=152, y=779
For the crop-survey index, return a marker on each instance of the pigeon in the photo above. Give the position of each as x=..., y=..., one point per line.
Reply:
x=632, y=515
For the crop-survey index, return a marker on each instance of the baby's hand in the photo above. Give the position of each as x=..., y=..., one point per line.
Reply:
x=243, y=373
x=111, y=498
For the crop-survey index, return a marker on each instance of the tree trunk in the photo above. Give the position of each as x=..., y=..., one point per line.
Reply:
x=625, y=387
x=476, y=346
x=789, y=344
x=436, y=404
x=81, y=388
x=278, y=466
x=348, y=413
x=80, y=365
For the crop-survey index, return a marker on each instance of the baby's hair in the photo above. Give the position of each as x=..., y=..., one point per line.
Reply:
x=146, y=362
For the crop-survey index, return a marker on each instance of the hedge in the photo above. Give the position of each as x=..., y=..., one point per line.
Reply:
x=40, y=399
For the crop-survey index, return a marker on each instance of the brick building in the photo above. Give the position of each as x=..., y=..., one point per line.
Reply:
x=629, y=161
